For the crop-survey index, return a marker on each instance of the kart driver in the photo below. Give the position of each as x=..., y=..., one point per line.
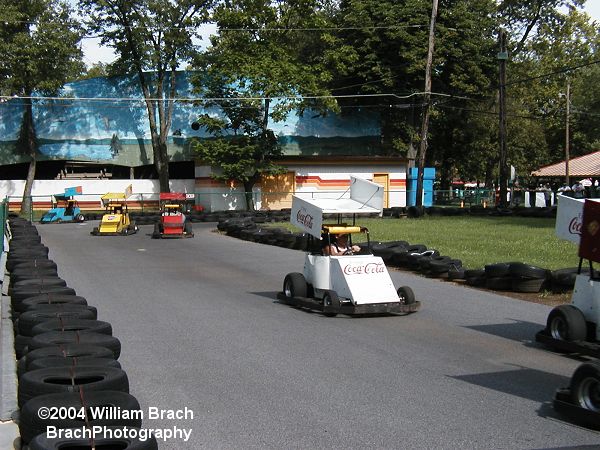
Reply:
x=340, y=247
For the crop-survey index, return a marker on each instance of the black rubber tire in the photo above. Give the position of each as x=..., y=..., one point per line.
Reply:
x=497, y=270
x=35, y=264
x=66, y=379
x=331, y=301
x=31, y=238
x=19, y=275
x=50, y=299
x=15, y=261
x=563, y=279
x=31, y=425
x=84, y=361
x=23, y=293
x=42, y=442
x=29, y=319
x=64, y=351
x=294, y=285
x=585, y=386
x=566, y=323
x=53, y=308
x=528, y=284
x=49, y=281
x=504, y=283
x=456, y=273
x=523, y=270
x=406, y=295
x=21, y=345
x=57, y=338
x=72, y=324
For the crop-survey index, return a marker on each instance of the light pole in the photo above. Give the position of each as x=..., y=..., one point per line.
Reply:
x=567, y=150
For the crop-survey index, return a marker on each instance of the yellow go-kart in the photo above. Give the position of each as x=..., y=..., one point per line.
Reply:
x=116, y=220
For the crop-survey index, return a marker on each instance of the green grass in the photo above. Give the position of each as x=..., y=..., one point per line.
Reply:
x=478, y=241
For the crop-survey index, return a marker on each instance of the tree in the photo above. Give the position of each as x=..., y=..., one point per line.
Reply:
x=152, y=39
x=380, y=48
x=243, y=157
x=264, y=64
x=39, y=53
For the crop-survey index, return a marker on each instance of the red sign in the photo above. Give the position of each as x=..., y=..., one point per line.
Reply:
x=589, y=245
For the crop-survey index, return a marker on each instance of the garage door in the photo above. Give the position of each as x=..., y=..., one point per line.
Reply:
x=277, y=190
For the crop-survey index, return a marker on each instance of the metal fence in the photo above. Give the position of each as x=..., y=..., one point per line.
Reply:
x=223, y=200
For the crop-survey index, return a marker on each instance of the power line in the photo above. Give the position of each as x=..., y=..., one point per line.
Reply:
x=194, y=28
x=223, y=99
x=556, y=72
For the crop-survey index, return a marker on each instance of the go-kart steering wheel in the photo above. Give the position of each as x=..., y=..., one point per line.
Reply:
x=348, y=252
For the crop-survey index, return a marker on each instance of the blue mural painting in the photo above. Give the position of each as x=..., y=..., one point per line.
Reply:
x=104, y=119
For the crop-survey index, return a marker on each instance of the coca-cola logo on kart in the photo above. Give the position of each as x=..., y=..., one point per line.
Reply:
x=364, y=269
x=575, y=225
x=304, y=218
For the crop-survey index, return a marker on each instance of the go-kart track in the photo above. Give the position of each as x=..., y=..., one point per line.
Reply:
x=201, y=328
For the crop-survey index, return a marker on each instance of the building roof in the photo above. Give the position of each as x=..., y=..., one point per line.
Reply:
x=582, y=166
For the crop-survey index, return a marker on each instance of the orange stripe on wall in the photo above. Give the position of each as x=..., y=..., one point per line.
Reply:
x=315, y=180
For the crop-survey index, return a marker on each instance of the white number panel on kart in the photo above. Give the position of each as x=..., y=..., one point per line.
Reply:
x=362, y=278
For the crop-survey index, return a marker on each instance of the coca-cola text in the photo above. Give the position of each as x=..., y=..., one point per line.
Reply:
x=363, y=269
x=304, y=218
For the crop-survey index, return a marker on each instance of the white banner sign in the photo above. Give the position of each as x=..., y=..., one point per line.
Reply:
x=306, y=216
x=569, y=218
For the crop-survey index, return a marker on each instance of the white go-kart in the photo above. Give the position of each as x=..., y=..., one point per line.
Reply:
x=353, y=283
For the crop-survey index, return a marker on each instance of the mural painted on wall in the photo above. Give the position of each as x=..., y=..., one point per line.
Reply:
x=104, y=120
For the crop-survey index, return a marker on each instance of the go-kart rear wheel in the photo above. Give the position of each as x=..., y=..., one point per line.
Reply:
x=406, y=295
x=331, y=304
x=567, y=323
x=294, y=285
x=585, y=386
x=187, y=228
x=80, y=218
x=156, y=232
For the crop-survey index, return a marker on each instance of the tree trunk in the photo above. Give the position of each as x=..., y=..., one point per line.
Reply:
x=248, y=186
x=27, y=141
x=163, y=167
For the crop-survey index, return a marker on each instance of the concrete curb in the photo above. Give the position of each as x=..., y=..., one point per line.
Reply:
x=9, y=431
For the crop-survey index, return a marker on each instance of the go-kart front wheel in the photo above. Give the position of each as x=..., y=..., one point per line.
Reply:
x=331, y=304
x=567, y=323
x=585, y=386
x=294, y=285
x=406, y=295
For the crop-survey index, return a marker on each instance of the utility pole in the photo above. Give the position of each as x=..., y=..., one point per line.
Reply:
x=567, y=149
x=503, y=168
x=425, y=123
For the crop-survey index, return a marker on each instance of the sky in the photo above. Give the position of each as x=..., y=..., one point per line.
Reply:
x=94, y=52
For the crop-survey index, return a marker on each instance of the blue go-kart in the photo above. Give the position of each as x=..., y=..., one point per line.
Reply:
x=64, y=208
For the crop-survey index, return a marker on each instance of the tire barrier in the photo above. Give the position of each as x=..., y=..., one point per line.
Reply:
x=64, y=351
x=66, y=357
x=70, y=379
x=49, y=299
x=503, y=276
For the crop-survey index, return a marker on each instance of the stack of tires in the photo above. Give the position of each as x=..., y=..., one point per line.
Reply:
x=68, y=370
x=510, y=276
x=418, y=258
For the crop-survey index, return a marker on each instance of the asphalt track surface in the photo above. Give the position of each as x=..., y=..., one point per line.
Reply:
x=201, y=329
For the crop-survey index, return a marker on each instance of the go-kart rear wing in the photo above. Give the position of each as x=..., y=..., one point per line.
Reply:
x=117, y=196
x=69, y=192
x=578, y=220
x=366, y=197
